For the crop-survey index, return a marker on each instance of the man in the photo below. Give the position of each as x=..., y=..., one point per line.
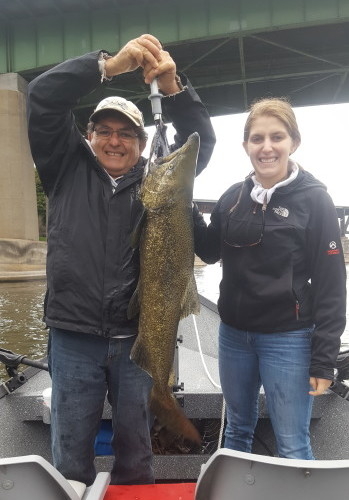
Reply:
x=92, y=271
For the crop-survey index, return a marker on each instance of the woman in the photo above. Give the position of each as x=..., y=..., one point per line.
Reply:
x=282, y=294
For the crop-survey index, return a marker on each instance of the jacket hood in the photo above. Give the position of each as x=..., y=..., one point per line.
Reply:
x=303, y=182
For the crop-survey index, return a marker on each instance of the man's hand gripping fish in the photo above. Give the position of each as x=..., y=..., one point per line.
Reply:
x=166, y=290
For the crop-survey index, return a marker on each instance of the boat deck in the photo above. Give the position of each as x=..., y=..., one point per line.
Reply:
x=24, y=419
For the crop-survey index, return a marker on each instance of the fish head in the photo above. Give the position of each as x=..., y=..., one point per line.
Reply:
x=171, y=178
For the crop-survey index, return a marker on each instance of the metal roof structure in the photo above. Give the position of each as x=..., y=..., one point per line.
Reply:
x=233, y=51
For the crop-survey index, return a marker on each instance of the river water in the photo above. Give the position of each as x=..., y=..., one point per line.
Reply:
x=23, y=332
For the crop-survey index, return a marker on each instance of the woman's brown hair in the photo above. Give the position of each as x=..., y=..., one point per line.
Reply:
x=278, y=107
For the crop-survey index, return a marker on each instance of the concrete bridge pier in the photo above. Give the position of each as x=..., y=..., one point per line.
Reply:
x=18, y=209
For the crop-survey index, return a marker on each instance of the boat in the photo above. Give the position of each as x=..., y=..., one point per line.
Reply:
x=25, y=427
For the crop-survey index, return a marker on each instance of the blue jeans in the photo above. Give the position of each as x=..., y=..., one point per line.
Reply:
x=280, y=362
x=84, y=369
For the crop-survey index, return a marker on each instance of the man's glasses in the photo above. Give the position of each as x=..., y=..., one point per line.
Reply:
x=107, y=133
x=249, y=235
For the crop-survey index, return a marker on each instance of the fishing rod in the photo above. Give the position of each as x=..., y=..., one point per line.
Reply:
x=17, y=378
x=12, y=360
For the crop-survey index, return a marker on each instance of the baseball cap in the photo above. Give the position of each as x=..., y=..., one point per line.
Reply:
x=121, y=105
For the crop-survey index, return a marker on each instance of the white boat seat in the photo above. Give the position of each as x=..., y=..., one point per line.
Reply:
x=32, y=477
x=234, y=475
x=78, y=487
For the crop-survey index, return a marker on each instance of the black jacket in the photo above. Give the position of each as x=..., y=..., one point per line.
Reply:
x=294, y=278
x=92, y=271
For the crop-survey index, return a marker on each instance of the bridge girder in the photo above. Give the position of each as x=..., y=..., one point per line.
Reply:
x=233, y=51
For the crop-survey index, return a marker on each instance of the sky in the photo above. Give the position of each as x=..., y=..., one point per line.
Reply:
x=323, y=151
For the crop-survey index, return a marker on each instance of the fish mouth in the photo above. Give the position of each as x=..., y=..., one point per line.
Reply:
x=194, y=138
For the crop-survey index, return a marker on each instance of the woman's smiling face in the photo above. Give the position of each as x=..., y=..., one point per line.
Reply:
x=269, y=146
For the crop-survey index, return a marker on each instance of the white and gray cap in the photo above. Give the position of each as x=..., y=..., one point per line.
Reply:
x=121, y=105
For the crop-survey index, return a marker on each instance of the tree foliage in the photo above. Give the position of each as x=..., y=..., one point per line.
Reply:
x=41, y=204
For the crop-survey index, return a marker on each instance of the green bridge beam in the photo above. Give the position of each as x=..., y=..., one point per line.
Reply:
x=233, y=51
x=33, y=38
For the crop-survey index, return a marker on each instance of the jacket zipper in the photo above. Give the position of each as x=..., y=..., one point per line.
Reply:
x=297, y=310
x=297, y=306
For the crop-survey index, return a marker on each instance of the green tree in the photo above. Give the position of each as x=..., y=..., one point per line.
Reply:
x=41, y=203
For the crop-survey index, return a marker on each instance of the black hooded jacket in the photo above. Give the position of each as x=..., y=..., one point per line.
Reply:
x=294, y=278
x=92, y=270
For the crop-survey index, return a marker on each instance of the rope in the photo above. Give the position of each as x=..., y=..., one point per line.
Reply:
x=220, y=438
x=202, y=356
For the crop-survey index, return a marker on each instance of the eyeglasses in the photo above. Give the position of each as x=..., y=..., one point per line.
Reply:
x=107, y=133
x=251, y=233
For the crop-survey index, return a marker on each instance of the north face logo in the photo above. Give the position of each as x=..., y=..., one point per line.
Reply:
x=281, y=211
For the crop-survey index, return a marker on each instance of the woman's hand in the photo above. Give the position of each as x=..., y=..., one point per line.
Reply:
x=319, y=385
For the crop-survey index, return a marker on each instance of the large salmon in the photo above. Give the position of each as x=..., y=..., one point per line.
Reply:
x=166, y=290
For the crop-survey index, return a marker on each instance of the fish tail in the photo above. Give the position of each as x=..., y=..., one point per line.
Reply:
x=171, y=416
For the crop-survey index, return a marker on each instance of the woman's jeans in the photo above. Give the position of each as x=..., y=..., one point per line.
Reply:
x=280, y=362
x=84, y=368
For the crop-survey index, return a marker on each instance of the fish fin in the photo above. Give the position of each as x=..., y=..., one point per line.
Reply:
x=170, y=415
x=134, y=304
x=172, y=378
x=137, y=232
x=190, y=301
x=140, y=356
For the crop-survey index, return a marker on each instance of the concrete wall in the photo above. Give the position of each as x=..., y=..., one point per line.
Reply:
x=22, y=255
x=18, y=210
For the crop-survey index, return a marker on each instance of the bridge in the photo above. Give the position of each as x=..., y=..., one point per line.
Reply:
x=206, y=207
x=233, y=51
